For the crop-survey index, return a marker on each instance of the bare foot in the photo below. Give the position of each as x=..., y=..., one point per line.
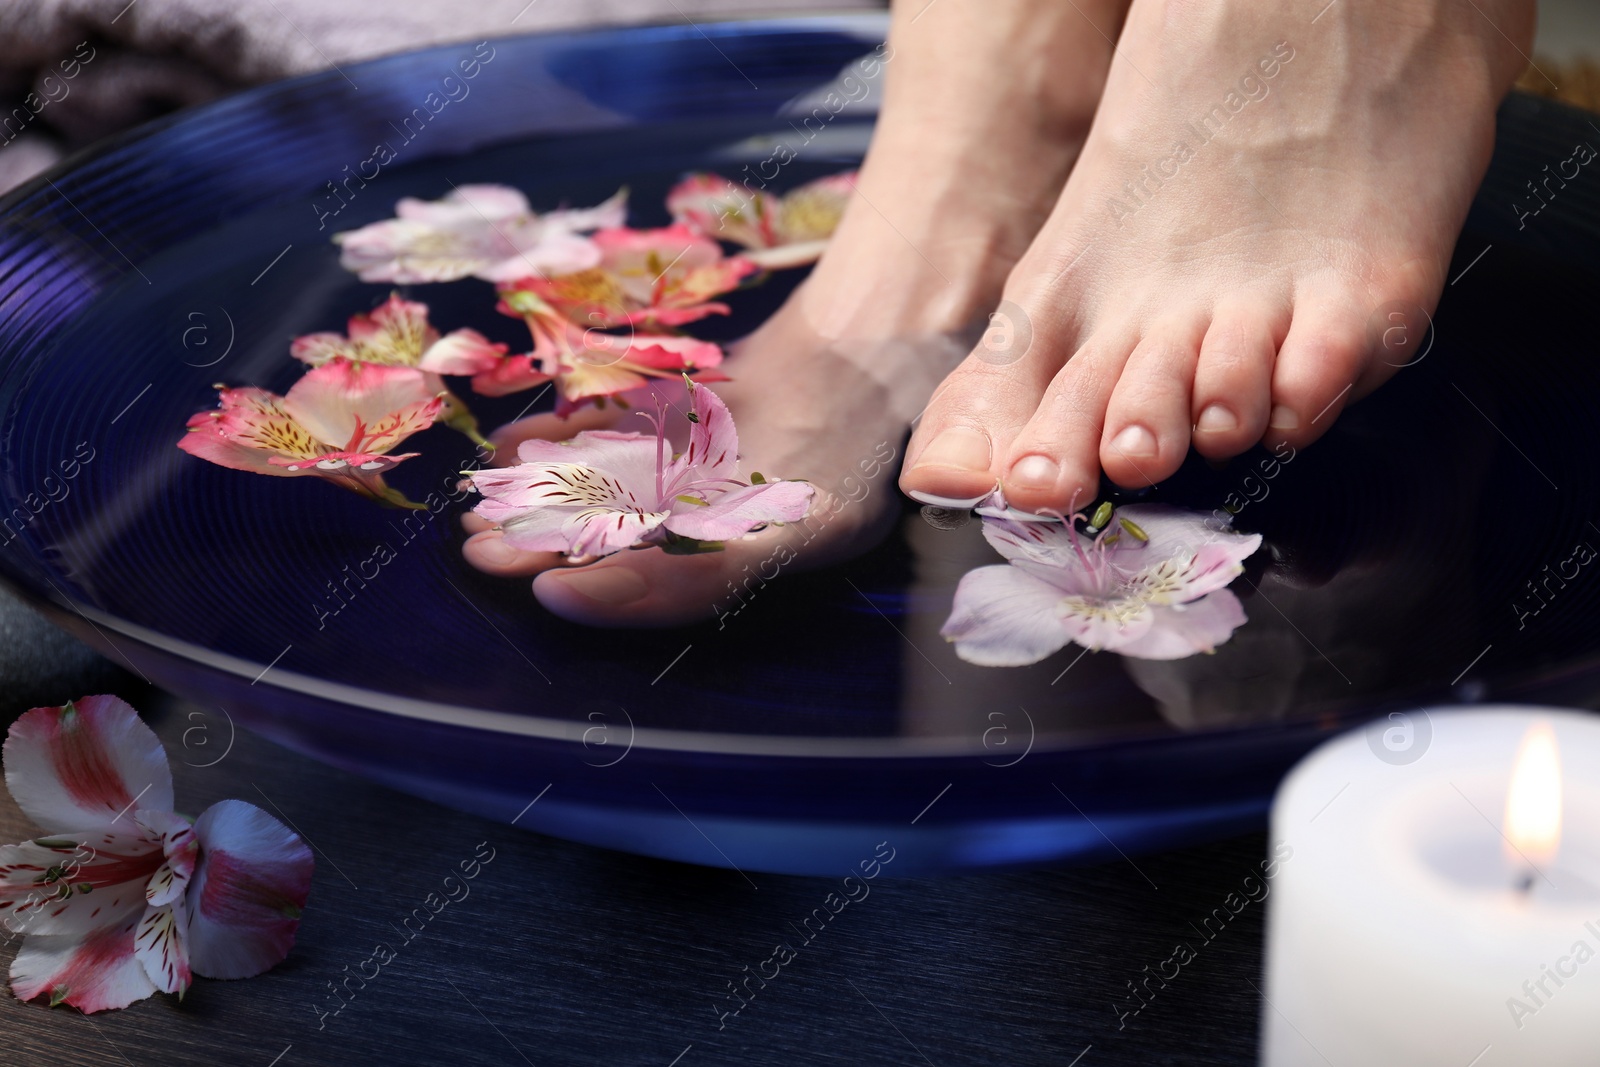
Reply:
x=963, y=169
x=1264, y=186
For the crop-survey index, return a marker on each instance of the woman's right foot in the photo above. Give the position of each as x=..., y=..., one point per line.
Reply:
x=963, y=169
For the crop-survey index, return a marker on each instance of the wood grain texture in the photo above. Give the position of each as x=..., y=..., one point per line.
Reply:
x=566, y=954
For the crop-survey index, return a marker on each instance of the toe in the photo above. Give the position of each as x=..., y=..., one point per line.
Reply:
x=488, y=552
x=1233, y=381
x=1325, y=352
x=970, y=422
x=1054, y=462
x=1146, y=432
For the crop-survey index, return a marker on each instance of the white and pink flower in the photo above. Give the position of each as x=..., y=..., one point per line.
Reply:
x=1151, y=583
x=124, y=897
x=778, y=232
x=339, y=422
x=477, y=231
x=397, y=334
x=605, y=491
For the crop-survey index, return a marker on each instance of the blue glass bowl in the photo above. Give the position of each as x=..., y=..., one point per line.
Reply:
x=828, y=716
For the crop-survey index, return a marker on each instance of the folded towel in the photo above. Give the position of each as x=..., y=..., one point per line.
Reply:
x=72, y=71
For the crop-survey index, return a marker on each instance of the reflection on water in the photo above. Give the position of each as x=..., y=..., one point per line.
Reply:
x=1395, y=553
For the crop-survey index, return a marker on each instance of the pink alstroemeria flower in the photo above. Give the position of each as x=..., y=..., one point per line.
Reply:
x=588, y=364
x=338, y=422
x=1150, y=584
x=779, y=232
x=604, y=491
x=477, y=231
x=647, y=279
x=124, y=898
x=397, y=334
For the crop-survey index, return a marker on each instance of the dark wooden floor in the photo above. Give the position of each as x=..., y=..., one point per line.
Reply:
x=563, y=954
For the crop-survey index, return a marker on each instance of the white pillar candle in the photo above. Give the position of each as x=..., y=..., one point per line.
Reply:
x=1414, y=924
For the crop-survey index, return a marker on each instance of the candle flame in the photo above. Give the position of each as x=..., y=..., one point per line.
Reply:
x=1533, y=801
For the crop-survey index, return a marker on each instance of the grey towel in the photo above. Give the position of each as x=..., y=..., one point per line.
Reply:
x=80, y=69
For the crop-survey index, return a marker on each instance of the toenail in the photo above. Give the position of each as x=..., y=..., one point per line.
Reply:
x=947, y=501
x=1217, y=419
x=1135, y=442
x=960, y=447
x=1284, y=418
x=609, y=585
x=1034, y=472
x=495, y=551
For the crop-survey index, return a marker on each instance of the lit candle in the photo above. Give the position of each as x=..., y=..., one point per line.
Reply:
x=1441, y=903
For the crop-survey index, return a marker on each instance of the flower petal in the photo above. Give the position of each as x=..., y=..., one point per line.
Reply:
x=466, y=204
x=786, y=257
x=486, y=231
x=395, y=334
x=248, y=891
x=462, y=352
x=812, y=212
x=1104, y=623
x=713, y=451
x=74, y=885
x=1173, y=532
x=93, y=973
x=1182, y=630
x=179, y=846
x=553, y=252
x=510, y=375
x=249, y=429
x=1047, y=543
x=584, y=381
x=591, y=496
x=629, y=458
x=85, y=765
x=1005, y=617
x=159, y=948
x=713, y=206
x=362, y=407
x=610, y=212
x=660, y=351
x=593, y=532
x=317, y=348
x=738, y=511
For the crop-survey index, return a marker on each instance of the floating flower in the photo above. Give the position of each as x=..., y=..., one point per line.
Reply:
x=604, y=491
x=1149, y=583
x=779, y=232
x=645, y=278
x=588, y=364
x=124, y=898
x=477, y=231
x=397, y=334
x=338, y=422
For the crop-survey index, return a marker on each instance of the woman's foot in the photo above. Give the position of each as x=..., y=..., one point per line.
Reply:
x=963, y=170
x=1267, y=190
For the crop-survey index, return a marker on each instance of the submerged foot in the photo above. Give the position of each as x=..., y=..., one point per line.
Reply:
x=963, y=170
